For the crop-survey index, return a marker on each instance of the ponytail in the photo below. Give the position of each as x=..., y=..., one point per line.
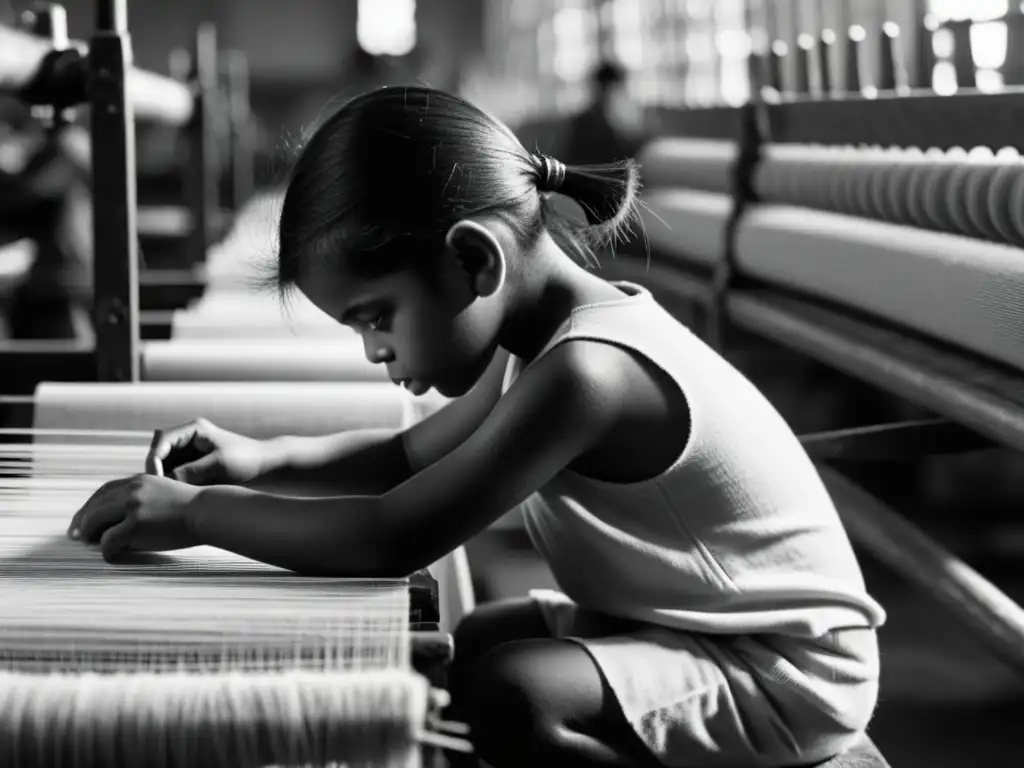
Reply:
x=608, y=195
x=382, y=180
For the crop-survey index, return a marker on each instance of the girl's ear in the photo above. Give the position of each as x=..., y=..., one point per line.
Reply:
x=480, y=254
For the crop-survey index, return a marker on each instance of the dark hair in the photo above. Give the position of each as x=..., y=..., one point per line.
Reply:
x=382, y=180
x=608, y=73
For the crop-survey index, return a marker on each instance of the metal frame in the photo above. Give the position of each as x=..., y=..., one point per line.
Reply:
x=903, y=111
x=866, y=350
x=99, y=78
x=984, y=397
x=968, y=119
x=235, y=72
x=979, y=403
x=897, y=441
x=202, y=181
x=991, y=616
x=115, y=203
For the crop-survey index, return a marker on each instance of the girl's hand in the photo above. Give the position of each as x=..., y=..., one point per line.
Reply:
x=201, y=453
x=140, y=513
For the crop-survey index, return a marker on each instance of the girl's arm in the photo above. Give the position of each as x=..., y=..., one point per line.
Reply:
x=373, y=461
x=356, y=461
x=557, y=410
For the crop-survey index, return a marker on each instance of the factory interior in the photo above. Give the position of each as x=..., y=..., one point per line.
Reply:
x=831, y=200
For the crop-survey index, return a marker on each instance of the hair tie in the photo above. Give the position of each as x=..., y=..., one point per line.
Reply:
x=552, y=174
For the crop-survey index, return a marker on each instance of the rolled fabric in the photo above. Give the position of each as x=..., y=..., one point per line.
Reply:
x=701, y=164
x=894, y=184
x=20, y=57
x=965, y=193
x=159, y=98
x=251, y=245
x=988, y=195
x=163, y=221
x=257, y=409
x=942, y=178
x=188, y=327
x=204, y=721
x=687, y=224
x=955, y=289
x=153, y=97
x=919, y=186
x=259, y=360
x=245, y=314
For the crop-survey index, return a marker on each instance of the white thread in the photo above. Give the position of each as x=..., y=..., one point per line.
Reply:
x=237, y=664
x=102, y=720
x=71, y=625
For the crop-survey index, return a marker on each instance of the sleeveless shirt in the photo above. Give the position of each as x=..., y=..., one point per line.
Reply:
x=737, y=536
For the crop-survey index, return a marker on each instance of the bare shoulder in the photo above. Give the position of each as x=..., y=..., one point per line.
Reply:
x=597, y=370
x=594, y=372
x=645, y=415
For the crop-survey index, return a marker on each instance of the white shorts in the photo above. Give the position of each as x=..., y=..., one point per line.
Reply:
x=763, y=701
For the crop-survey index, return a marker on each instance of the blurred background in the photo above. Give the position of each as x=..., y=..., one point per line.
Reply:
x=591, y=81
x=529, y=62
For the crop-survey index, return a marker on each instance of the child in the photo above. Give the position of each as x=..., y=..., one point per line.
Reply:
x=713, y=612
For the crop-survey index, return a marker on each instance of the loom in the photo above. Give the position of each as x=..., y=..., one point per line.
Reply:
x=290, y=670
x=810, y=218
x=205, y=99
x=240, y=664
x=816, y=222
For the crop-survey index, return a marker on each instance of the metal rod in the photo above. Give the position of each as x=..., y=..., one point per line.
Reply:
x=115, y=200
x=112, y=16
x=991, y=616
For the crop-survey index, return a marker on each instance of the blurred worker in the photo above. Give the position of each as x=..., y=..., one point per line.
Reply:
x=613, y=127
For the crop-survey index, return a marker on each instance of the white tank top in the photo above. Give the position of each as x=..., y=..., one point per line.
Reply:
x=738, y=535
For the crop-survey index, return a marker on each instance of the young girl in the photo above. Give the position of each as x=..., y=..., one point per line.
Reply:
x=713, y=611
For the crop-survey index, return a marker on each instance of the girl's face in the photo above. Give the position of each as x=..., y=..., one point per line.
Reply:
x=429, y=333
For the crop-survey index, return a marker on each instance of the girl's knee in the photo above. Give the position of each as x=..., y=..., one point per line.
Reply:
x=493, y=624
x=526, y=698
x=504, y=686
x=470, y=633
x=508, y=716
x=480, y=633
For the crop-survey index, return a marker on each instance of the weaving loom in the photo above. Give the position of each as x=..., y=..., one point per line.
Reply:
x=239, y=663
x=233, y=334
x=875, y=237
x=207, y=99
x=802, y=233
x=895, y=233
x=897, y=266
x=343, y=648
